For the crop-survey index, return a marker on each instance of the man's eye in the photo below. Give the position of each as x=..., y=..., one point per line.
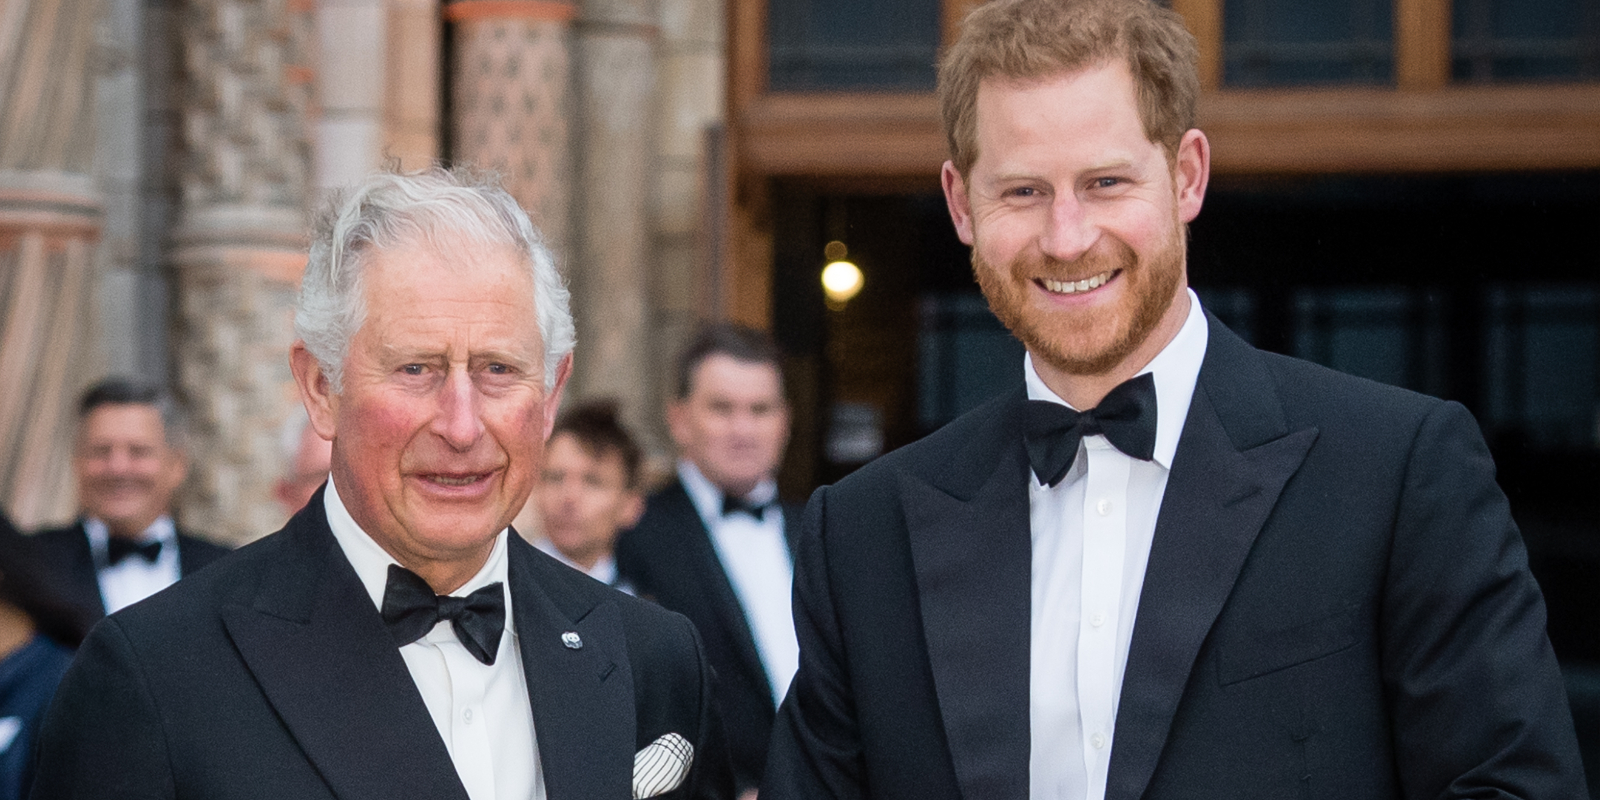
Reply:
x=1023, y=191
x=499, y=369
x=412, y=369
x=1106, y=183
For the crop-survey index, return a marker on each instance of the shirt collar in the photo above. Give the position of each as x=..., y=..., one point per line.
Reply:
x=1176, y=369
x=707, y=498
x=371, y=561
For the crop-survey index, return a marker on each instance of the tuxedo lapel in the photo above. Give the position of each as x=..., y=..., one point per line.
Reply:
x=320, y=653
x=1233, y=459
x=713, y=580
x=582, y=696
x=971, y=548
x=81, y=575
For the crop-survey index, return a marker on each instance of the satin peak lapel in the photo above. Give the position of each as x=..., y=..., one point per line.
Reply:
x=320, y=653
x=582, y=696
x=972, y=551
x=1232, y=462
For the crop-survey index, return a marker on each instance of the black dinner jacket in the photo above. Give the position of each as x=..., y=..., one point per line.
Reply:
x=68, y=550
x=669, y=558
x=271, y=675
x=1336, y=605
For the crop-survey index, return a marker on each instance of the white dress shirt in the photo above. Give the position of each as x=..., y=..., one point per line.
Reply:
x=1091, y=542
x=481, y=710
x=133, y=579
x=755, y=556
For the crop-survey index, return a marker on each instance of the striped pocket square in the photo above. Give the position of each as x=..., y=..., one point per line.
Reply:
x=661, y=766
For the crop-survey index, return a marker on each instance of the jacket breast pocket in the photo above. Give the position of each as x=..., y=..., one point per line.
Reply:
x=1254, y=654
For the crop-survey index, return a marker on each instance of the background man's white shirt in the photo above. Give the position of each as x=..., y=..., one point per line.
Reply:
x=482, y=711
x=755, y=556
x=1091, y=541
x=133, y=579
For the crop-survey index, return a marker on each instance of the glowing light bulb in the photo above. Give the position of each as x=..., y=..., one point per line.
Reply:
x=841, y=280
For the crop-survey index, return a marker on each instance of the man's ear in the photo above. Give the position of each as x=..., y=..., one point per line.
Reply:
x=632, y=509
x=957, y=201
x=316, y=393
x=1191, y=171
x=552, y=401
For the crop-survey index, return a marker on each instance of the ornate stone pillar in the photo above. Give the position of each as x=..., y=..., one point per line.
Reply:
x=512, y=105
x=239, y=250
x=49, y=221
x=616, y=82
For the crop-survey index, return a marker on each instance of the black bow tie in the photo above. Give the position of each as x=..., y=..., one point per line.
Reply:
x=1126, y=417
x=411, y=609
x=734, y=505
x=119, y=548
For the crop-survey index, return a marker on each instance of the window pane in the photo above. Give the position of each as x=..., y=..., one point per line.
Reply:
x=1306, y=42
x=1543, y=349
x=1526, y=40
x=848, y=44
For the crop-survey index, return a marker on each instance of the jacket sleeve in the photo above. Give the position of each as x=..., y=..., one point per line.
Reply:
x=712, y=772
x=816, y=746
x=102, y=738
x=1477, y=701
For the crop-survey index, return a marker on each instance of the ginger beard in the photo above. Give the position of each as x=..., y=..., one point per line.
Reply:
x=1092, y=342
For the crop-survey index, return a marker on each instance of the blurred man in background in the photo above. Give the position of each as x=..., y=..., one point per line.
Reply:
x=306, y=457
x=589, y=491
x=128, y=460
x=714, y=544
x=38, y=626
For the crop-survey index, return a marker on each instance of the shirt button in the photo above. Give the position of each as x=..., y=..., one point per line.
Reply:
x=467, y=715
x=1104, y=506
x=1097, y=619
x=1098, y=740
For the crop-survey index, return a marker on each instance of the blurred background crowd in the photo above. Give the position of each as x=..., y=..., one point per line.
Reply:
x=1405, y=190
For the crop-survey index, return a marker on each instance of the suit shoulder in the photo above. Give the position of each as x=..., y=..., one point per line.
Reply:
x=979, y=428
x=1319, y=395
x=203, y=593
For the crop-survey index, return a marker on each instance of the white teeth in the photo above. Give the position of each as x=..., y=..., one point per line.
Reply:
x=1074, y=287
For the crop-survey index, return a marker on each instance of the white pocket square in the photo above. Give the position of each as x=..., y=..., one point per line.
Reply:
x=661, y=766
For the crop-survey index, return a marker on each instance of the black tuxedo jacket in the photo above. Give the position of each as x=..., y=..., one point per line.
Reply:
x=669, y=558
x=1337, y=605
x=271, y=675
x=68, y=551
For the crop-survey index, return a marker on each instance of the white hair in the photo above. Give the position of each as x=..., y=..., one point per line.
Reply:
x=390, y=208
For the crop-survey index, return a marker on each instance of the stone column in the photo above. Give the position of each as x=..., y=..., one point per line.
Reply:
x=50, y=214
x=238, y=251
x=512, y=105
x=616, y=83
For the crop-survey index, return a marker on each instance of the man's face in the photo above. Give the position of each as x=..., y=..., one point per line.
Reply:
x=126, y=469
x=584, y=499
x=1076, y=218
x=438, y=434
x=734, y=423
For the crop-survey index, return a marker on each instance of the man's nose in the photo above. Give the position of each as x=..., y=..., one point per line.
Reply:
x=1069, y=230
x=459, y=420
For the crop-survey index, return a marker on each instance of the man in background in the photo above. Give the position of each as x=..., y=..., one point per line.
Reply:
x=128, y=460
x=306, y=457
x=714, y=544
x=38, y=628
x=589, y=491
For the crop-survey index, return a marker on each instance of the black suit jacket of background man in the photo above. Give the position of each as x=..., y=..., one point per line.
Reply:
x=669, y=558
x=1337, y=605
x=68, y=551
x=271, y=675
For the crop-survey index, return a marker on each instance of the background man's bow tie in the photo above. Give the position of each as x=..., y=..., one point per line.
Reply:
x=411, y=609
x=119, y=548
x=734, y=505
x=1126, y=417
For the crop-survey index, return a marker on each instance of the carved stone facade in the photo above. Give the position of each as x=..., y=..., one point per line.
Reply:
x=49, y=223
x=239, y=250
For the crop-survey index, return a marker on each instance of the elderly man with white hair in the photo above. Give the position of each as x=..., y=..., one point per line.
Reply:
x=397, y=639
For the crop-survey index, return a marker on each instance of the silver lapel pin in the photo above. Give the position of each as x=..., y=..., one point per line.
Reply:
x=572, y=640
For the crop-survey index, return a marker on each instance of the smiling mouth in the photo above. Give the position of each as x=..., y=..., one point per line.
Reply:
x=1077, y=287
x=457, y=480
